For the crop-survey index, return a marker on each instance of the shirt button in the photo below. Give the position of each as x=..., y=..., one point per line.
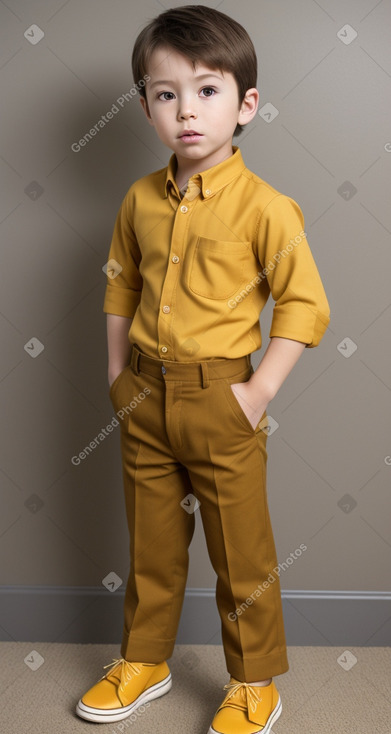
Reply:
x=166, y=309
x=183, y=209
x=175, y=259
x=164, y=349
x=208, y=191
x=163, y=370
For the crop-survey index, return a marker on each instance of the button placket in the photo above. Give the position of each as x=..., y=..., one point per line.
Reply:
x=166, y=312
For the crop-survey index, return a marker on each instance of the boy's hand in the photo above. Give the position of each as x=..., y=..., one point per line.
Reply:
x=112, y=377
x=119, y=349
x=113, y=373
x=255, y=394
x=250, y=400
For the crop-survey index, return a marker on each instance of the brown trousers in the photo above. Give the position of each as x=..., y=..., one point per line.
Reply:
x=187, y=446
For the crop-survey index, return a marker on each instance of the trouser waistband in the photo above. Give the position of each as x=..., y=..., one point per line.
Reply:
x=202, y=371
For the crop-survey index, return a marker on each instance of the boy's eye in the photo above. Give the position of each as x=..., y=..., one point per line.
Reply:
x=208, y=92
x=159, y=95
x=208, y=89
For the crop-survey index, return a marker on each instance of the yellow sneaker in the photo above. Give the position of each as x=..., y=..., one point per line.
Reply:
x=123, y=689
x=247, y=709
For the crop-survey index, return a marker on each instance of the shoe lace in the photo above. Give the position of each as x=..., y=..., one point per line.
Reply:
x=127, y=670
x=247, y=690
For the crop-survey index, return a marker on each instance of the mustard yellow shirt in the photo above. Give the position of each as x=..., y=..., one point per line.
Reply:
x=196, y=272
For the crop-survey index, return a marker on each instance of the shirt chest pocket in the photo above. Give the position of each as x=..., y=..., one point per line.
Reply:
x=218, y=268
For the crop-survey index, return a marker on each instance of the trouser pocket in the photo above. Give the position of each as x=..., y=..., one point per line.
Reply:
x=121, y=393
x=234, y=404
x=116, y=381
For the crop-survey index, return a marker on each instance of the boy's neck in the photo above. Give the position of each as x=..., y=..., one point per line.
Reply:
x=187, y=167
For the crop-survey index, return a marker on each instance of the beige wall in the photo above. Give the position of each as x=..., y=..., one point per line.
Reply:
x=64, y=525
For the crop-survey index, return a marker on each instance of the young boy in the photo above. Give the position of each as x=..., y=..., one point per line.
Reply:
x=197, y=248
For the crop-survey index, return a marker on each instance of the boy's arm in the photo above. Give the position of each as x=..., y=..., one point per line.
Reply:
x=123, y=289
x=118, y=345
x=279, y=359
x=301, y=312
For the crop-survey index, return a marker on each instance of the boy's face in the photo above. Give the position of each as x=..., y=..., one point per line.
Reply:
x=204, y=100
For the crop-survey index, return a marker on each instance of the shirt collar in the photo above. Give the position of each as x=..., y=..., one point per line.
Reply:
x=211, y=180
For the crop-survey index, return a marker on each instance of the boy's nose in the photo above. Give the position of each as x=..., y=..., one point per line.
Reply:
x=186, y=111
x=187, y=115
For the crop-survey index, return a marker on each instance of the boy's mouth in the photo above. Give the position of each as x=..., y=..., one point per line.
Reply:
x=190, y=136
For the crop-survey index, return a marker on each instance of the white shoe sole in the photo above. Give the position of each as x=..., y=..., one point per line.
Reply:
x=275, y=714
x=102, y=716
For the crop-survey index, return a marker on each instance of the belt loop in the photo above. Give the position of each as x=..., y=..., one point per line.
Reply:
x=134, y=360
x=205, y=375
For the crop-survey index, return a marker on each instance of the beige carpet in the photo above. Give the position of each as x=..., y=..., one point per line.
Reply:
x=318, y=695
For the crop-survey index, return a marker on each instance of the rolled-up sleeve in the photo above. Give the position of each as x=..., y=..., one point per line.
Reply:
x=301, y=309
x=124, y=282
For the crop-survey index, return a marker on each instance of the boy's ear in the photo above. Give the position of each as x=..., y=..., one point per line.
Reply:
x=144, y=105
x=249, y=106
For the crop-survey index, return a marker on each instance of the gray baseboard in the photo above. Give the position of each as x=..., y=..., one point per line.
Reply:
x=94, y=615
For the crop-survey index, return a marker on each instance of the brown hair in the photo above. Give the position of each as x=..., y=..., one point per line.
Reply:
x=202, y=35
